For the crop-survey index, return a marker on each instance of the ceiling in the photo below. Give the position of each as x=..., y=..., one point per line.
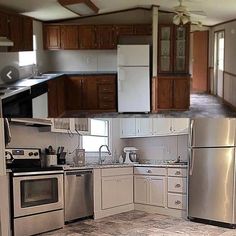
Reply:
x=217, y=10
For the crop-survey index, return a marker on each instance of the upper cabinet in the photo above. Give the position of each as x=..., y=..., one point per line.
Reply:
x=174, y=49
x=151, y=127
x=3, y=25
x=84, y=37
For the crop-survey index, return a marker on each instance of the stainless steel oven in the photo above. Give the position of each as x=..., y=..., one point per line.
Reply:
x=37, y=202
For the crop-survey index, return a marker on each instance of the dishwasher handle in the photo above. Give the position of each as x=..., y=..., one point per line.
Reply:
x=78, y=173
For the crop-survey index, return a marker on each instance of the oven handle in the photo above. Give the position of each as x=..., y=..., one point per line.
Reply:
x=38, y=173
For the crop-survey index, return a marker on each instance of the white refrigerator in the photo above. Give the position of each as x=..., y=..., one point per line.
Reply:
x=134, y=79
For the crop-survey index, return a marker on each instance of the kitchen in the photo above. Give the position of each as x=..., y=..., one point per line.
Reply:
x=62, y=65
x=139, y=176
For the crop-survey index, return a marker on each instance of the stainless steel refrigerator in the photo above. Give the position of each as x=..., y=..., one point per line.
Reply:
x=212, y=170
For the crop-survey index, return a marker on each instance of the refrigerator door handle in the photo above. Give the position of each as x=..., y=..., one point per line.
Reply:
x=191, y=133
x=191, y=162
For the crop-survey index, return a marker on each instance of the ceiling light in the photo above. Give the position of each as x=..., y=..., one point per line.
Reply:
x=181, y=19
x=80, y=7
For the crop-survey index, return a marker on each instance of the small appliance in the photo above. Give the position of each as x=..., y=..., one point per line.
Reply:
x=130, y=155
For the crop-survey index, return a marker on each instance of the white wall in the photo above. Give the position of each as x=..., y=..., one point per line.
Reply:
x=158, y=149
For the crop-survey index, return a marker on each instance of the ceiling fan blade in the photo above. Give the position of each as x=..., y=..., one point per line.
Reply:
x=199, y=13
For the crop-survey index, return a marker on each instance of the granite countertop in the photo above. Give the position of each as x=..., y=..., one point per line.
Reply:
x=105, y=166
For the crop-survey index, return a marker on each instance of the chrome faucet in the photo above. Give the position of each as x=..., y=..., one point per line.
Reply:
x=100, y=153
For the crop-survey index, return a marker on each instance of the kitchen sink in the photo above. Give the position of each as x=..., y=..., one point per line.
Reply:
x=40, y=77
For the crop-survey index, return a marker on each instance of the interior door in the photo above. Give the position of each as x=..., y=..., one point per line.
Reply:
x=211, y=184
x=212, y=132
x=200, y=61
x=219, y=57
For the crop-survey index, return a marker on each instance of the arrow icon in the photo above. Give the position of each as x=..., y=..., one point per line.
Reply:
x=9, y=74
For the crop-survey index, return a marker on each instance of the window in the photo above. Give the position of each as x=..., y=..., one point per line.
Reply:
x=28, y=58
x=100, y=135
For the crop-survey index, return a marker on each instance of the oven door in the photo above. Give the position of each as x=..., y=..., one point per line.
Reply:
x=37, y=194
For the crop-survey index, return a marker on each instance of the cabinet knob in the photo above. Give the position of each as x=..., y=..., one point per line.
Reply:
x=177, y=173
x=177, y=185
x=177, y=202
x=149, y=171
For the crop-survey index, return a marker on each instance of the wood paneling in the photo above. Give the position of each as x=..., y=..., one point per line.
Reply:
x=200, y=61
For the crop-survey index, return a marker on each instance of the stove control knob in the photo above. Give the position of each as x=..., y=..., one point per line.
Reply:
x=36, y=154
x=31, y=154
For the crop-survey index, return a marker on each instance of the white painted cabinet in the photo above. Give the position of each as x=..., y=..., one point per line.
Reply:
x=144, y=127
x=150, y=190
x=151, y=127
x=161, y=126
x=127, y=127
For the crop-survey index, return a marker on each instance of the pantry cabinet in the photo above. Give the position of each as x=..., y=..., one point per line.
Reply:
x=151, y=127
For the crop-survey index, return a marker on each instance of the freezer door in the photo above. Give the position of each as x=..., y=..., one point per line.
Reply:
x=133, y=55
x=212, y=133
x=211, y=184
x=134, y=89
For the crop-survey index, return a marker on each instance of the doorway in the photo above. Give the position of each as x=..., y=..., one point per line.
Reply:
x=200, y=42
x=219, y=63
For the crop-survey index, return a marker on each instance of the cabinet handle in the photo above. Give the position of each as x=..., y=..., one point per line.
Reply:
x=177, y=173
x=177, y=202
x=149, y=171
x=177, y=185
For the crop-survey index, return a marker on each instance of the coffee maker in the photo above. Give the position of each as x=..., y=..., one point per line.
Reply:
x=130, y=155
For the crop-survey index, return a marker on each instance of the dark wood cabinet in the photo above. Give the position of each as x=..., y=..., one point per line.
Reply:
x=91, y=93
x=56, y=97
x=27, y=43
x=69, y=37
x=106, y=37
x=123, y=30
x=173, y=49
x=15, y=32
x=143, y=29
x=52, y=37
x=87, y=37
x=171, y=93
x=3, y=25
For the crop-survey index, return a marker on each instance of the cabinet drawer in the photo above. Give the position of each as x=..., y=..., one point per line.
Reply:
x=106, y=80
x=179, y=172
x=177, y=185
x=117, y=171
x=107, y=105
x=177, y=201
x=109, y=97
x=149, y=171
x=108, y=88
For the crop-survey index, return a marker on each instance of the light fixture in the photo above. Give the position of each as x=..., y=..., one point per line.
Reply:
x=80, y=7
x=181, y=19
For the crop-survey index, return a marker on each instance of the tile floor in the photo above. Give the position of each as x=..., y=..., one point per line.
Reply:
x=137, y=223
x=202, y=105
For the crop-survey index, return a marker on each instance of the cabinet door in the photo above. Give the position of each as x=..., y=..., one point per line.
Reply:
x=180, y=125
x=165, y=93
x=143, y=29
x=161, y=126
x=127, y=127
x=87, y=37
x=181, y=97
x=52, y=99
x=15, y=32
x=3, y=25
x=52, y=37
x=144, y=127
x=27, y=34
x=109, y=192
x=61, y=99
x=141, y=189
x=125, y=189
x=123, y=30
x=106, y=37
x=81, y=125
x=157, y=191
x=61, y=125
x=69, y=37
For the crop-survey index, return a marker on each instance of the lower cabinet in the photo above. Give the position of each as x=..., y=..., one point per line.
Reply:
x=117, y=191
x=150, y=190
x=171, y=93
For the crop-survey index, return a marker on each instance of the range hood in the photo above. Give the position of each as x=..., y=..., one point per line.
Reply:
x=5, y=42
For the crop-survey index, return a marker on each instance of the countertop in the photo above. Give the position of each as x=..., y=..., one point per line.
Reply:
x=105, y=166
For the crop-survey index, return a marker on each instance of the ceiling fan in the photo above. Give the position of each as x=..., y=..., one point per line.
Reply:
x=183, y=14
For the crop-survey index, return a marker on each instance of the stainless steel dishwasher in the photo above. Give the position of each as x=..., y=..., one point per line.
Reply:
x=78, y=195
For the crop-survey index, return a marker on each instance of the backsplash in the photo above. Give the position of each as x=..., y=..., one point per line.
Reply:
x=158, y=149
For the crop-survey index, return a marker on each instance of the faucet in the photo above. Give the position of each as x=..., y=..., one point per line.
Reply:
x=100, y=153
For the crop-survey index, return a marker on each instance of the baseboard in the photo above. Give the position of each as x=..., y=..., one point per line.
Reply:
x=113, y=211
x=161, y=210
